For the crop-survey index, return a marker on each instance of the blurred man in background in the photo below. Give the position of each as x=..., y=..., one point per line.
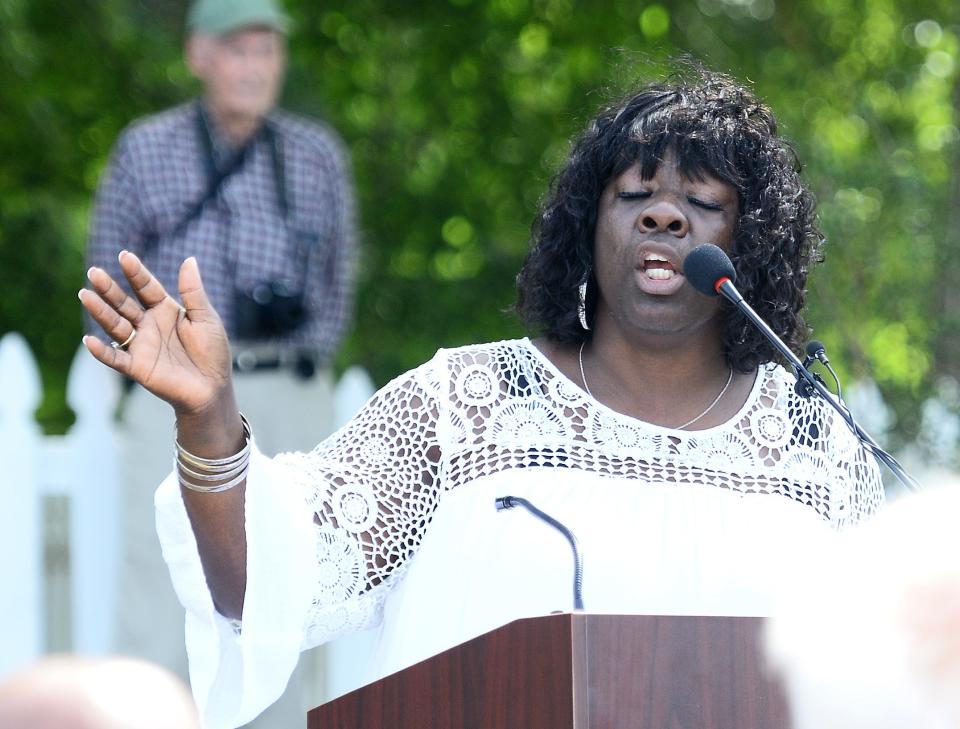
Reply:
x=264, y=201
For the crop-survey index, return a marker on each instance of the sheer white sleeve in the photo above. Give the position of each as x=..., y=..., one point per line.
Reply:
x=371, y=489
x=328, y=533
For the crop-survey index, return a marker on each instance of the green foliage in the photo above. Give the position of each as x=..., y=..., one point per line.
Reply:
x=458, y=112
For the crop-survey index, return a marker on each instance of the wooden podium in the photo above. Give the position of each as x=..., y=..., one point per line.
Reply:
x=579, y=671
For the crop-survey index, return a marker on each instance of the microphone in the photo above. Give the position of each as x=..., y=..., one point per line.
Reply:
x=707, y=267
x=710, y=271
x=508, y=502
x=816, y=350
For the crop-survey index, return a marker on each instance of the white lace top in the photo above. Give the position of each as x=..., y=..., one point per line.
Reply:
x=393, y=515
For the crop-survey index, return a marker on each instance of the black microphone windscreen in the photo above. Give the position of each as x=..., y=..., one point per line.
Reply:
x=813, y=347
x=705, y=265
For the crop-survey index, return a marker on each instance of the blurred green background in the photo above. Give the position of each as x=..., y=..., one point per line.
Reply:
x=457, y=112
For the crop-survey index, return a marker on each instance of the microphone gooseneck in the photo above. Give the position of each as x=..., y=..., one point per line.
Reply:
x=708, y=270
x=508, y=502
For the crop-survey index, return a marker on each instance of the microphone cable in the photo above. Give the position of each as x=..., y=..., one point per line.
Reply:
x=816, y=351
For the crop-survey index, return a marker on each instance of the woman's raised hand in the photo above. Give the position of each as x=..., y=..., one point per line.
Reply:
x=179, y=353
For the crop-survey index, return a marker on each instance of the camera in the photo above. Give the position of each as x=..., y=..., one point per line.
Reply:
x=268, y=309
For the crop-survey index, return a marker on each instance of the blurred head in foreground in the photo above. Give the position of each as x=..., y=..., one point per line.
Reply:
x=65, y=692
x=872, y=637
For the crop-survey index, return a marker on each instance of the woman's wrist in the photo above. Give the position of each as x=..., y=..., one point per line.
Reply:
x=215, y=431
x=214, y=475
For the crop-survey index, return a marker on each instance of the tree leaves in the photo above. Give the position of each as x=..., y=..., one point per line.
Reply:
x=457, y=113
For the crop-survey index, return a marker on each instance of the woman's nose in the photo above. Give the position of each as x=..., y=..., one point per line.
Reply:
x=664, y=217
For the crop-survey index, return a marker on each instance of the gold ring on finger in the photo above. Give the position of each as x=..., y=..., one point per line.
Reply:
x=126, y=342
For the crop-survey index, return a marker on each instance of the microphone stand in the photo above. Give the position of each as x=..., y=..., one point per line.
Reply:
x=725, y=288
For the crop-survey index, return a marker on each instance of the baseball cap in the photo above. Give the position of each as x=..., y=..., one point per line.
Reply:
x=220, y=17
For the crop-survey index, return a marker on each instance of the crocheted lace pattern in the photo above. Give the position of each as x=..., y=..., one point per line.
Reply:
x=471, y=412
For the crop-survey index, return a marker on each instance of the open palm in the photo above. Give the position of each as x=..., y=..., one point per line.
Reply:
x=179, y=353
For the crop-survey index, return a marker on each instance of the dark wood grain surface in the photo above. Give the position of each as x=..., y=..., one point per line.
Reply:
x=579, y=672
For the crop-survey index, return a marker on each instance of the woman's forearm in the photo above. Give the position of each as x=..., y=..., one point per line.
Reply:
x=218, y=518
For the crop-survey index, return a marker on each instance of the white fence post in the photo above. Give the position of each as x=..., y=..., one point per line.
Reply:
x=352, y=390
x=92, y=482
x=21, y=532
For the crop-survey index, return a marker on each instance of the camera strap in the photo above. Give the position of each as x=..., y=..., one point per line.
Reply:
x=217, y=176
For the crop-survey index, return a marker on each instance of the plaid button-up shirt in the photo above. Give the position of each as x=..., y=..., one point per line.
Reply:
x=159, y=171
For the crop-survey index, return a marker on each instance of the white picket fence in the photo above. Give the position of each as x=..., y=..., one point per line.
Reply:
x=79, y=468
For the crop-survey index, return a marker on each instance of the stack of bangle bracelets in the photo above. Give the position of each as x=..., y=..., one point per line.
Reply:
x=211, y=475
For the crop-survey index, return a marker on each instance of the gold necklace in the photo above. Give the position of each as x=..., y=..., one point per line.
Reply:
x=687, y=424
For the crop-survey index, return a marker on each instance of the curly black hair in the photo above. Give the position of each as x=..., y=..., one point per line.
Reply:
x=714, y=125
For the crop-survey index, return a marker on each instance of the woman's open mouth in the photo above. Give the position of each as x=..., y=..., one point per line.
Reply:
x=657, y=275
